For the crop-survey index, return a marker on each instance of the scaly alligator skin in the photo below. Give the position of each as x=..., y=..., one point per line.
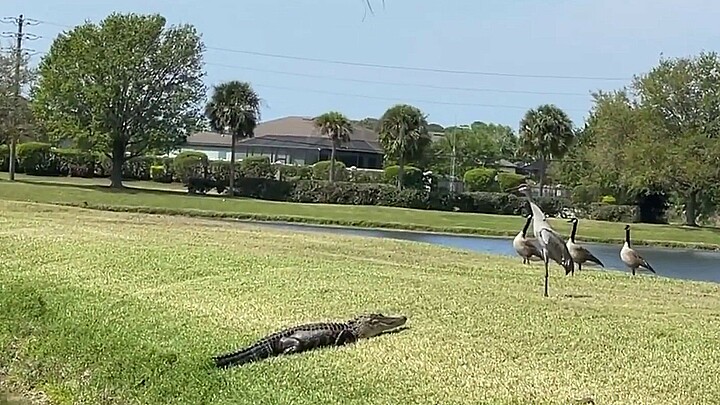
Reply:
x=310, y=336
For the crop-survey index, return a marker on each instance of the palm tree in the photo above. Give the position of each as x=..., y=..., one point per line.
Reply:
x=546, y=132
x=235, y=108
x=403, y=134
x=338, y=128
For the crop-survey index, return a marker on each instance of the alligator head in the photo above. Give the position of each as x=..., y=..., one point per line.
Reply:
x=369, y=325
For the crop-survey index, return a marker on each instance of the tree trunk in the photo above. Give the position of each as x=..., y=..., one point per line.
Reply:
x=401, y=172
x=332, y=163
x=118, y=160
x=13, y=156
x=541, y=183
x=691, y=208
x=232, y=166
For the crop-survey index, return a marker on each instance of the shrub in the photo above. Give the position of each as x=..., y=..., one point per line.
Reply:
x=74, y=163
x=256, y=166
x=480, y=179
x=4, y=158
x=366, y=176
x=412, y=176
x=295, y=172
x=159, y=174
x=356, y=194
x=615, y=213
x=220, y=170
x=321, y=171
x=507, y=180
x=608, y=199
x=36, y=158
x=489, y=203
x=581, y=195
x=190, y=164
x=138, y=167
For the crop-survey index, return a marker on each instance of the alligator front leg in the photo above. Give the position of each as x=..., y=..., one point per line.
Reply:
x=290, y=345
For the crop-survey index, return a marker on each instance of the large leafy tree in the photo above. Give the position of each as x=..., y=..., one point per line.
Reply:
x=234, y=107
x=403, y=134
x=478, y=144
x=546, y=133
x=666, y=131
x=338, y=128
x=126, y=86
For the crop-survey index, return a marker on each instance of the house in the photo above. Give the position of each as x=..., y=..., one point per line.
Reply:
x=292, y=140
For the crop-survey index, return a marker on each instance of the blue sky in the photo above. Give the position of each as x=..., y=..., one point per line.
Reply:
x=601, y=39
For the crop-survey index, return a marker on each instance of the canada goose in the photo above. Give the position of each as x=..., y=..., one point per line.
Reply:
x=630, y=257
x=524, y=246
x=579, y=253
x=552, y=245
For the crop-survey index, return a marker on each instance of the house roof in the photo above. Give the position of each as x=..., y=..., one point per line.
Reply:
x=309, y=142
x=286, y=127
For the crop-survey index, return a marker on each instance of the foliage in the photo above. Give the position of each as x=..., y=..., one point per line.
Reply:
x=665, y=137
x=608, y=199
x=338, y=128
x=126, y=86
x=477, y=144
x=158, y=174
x=403, y=134
x=321, y=170
x=15, y=114
x=480, y=179
x=367, y=176
x=546, y=133
x=294, y=172
x=35, y=158
x=190, y=164
x=256, y=166
x=4, y=158
x=509, y=180
x=412, y=178
x=614, y=213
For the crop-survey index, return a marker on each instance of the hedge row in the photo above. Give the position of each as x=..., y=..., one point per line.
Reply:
x=320, y=191
x=41, y=159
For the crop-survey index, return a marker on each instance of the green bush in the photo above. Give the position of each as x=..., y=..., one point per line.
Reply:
x=295, y=172
x=159, y=174
x=614, y=213
x=190, y=164
x=75, y=163
x=366, y=176
x=36, y=158
x=507, y=180
x=321, y=171
x=480, y=179
x=608, y=199
x=4, y=158
x=412, y=176
x=256, y=166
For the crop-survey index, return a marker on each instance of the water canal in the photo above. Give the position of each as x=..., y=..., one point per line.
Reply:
x=688, y=264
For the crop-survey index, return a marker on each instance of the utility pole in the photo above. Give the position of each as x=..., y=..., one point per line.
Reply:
x=19, y=36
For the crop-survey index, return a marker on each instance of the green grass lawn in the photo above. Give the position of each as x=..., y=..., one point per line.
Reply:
x=102, y=307
x=164, y=202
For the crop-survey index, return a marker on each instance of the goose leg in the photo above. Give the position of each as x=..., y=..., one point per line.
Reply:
x=547, y=275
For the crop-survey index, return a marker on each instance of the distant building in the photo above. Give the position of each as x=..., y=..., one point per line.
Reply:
x=292, y=140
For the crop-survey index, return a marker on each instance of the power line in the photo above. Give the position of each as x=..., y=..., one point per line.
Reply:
x=429, y=86
x=395, y=67
x=398, y=99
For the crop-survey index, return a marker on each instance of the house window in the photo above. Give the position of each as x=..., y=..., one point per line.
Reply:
x=222, y=155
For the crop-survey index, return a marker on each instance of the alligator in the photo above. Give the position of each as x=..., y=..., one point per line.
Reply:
x=309, y=336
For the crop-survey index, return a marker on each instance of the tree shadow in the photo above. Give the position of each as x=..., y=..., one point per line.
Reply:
x=108, y=189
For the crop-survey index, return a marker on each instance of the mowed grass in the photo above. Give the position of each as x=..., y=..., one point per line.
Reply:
x=172, y=202
x=100, y=307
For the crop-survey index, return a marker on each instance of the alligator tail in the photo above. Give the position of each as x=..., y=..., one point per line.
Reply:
x=250, y=354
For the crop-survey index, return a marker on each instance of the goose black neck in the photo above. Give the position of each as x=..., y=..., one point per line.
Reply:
x=627, y=236
x=572, y=234
x=527, y=225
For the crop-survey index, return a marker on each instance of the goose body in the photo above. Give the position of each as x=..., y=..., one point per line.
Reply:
x=526, y=247
x=579, y=253
x=631, y=257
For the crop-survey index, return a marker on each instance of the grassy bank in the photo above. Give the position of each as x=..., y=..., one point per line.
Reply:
x=99, y=307
x=164, y=202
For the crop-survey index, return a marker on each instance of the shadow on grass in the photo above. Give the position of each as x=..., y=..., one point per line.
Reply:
x=713, y=229
x=108, y=189
x=576, y=296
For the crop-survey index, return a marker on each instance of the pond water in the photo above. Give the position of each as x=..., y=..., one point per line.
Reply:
x=689, y=264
